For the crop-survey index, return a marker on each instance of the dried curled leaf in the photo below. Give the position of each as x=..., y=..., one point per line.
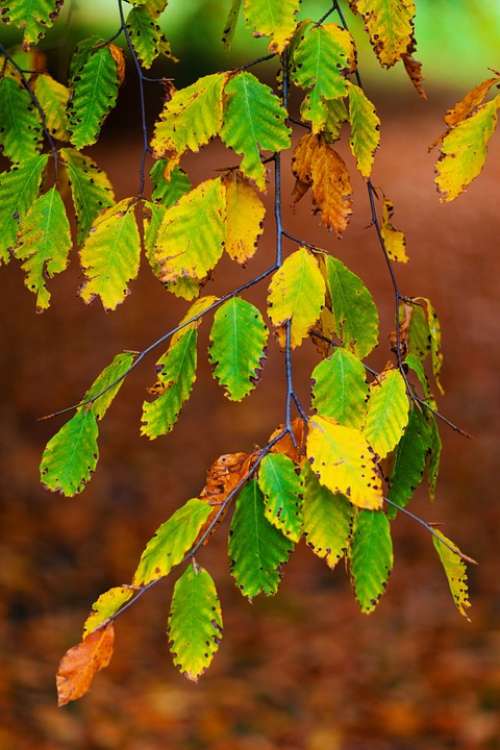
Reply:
x=81, y=663
x=466, y=106
x=318, y=166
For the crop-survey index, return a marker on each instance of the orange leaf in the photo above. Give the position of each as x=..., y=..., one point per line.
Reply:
x=81, y=663
x=414, y=69
x=318, y=166
x=468, y=104
x=119, y=58
x=286, y=446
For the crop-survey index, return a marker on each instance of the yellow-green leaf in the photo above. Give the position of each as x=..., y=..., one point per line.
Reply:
x=195, y=622
x=322, y=57
x=254, y=120
x=390, y=25
x=20, y=129
x=297, y=293
x=33, y=16
x=281, y=485
x=244, y=216
x=110, y=380
x=387, y=414
x=365, y=129
x=327, y=520
x=171, y=541
x=53, y=98
x=344, y=462
x=110, y=256
x=190, y=119
x=394, y=239
x=106, y=606
x=44, y=242
x=464, y=149
x=186, y=246
x=274, y=18
x=455, y=570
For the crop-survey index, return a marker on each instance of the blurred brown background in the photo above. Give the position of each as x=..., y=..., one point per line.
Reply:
x=304, y=670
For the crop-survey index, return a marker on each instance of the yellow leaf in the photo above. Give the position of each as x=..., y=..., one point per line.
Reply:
x=191, y=118
x=80, y=664
x=463, y=150
x=190, y=240
x=455, y=570
x=297, y=293
x=110, y=256
x=244, y=216
x=274, y=18
x=390, y=25
x=106, y=606
x=394, y=239
x=365, y=129
x=344, y=462
x=53, y=98
x=318, y=166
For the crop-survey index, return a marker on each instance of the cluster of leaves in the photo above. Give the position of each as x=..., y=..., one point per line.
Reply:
x=337, y=478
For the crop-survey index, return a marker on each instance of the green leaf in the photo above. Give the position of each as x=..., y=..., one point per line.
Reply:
x=171, y=541
x=237, y=346
x=387, y=414
x=110, y=256
x=90, y=188
x=434, y=459
x=106, y=606
x=168, y=192
x=327, y=520
x=195, y=622
x=418, y=333
x=53, y=98
x=254, y=120
x=340, y=390
x=281, y=485
x=297, y=293
x=18, y=190
x=256, y=548
x=336, y=115
x=44, y=242
x=186, y=247
x=20, y=126
x=409, y=461
x=365, y=129
x=33, y=16
x=71, y=455
x=231, y=23
x=95, y=90
x=344, y=462
x=146, y=35
x=455, y=570
x=371, y=557
x=117, y=368
x=322, y=57
x=176, y=379
x=190, y=119
x=354, y=311
x=415, y=364
x=274, y=18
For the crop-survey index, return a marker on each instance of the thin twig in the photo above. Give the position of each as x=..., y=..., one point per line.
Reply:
x=432, y=531
x=162, y=339
x=211, y=526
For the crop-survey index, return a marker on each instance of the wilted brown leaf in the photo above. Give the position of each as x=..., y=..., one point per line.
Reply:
x=414, y=69
x=318, y=166
x=468, y=104
x=81, y=663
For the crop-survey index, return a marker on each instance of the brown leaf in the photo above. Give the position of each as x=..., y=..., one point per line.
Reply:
x=286, y=446
x=224, y=474
x=414, y=69
x=119, y=58
x=81, y=663
x=317, y=165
